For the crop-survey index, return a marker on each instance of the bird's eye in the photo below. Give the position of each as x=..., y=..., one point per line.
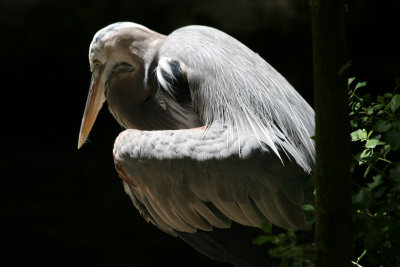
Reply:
x=97, y=63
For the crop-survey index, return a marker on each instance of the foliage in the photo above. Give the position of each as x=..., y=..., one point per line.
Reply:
x=376, y=175
x=286, y=246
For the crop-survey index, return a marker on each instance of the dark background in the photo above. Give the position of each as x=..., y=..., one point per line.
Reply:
x=61, y=206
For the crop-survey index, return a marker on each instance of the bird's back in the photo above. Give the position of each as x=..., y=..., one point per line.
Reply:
x=232, y=84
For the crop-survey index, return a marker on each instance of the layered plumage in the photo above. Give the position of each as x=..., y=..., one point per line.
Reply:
x=218, y=139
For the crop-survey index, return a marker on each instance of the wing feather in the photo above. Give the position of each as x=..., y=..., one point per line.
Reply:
x=283, y=204
x=231, y=210
x=188, y=212
x=209, y=216
x=186, y=185
x=250, y=213
x=271, y=210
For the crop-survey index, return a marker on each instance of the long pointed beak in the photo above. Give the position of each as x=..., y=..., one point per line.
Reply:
x=94, y=103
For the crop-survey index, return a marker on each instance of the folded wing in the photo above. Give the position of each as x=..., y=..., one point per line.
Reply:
x=200, y=179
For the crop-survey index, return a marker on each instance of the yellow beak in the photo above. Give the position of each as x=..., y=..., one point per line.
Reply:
x=94, y=103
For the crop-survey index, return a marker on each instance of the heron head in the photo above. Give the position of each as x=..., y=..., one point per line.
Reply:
x=119, y=57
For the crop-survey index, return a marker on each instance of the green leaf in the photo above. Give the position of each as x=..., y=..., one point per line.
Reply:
x=380, y=99
x=380, y=112
x=307, y=207
x=291, y=234
x=394, y=103
x=367, y=153
x=262, y=239
x=359, y=85
x=266, y=227
x=370, y=111
x=386, y=149
x=382, y=126
x=388, y=95
x=371, y=143
x=359, y=135
x=350, y=80
x=367, y=171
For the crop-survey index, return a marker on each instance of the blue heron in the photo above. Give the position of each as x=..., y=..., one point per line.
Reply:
x=216, y=141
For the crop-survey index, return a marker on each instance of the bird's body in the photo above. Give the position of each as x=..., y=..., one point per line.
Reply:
x=218, y=137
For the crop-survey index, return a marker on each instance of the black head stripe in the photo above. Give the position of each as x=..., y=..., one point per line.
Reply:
x=118, y=68
x=178, y=81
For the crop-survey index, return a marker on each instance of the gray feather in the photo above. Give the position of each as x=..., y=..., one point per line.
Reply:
x=232, y=84
x=179, y=178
